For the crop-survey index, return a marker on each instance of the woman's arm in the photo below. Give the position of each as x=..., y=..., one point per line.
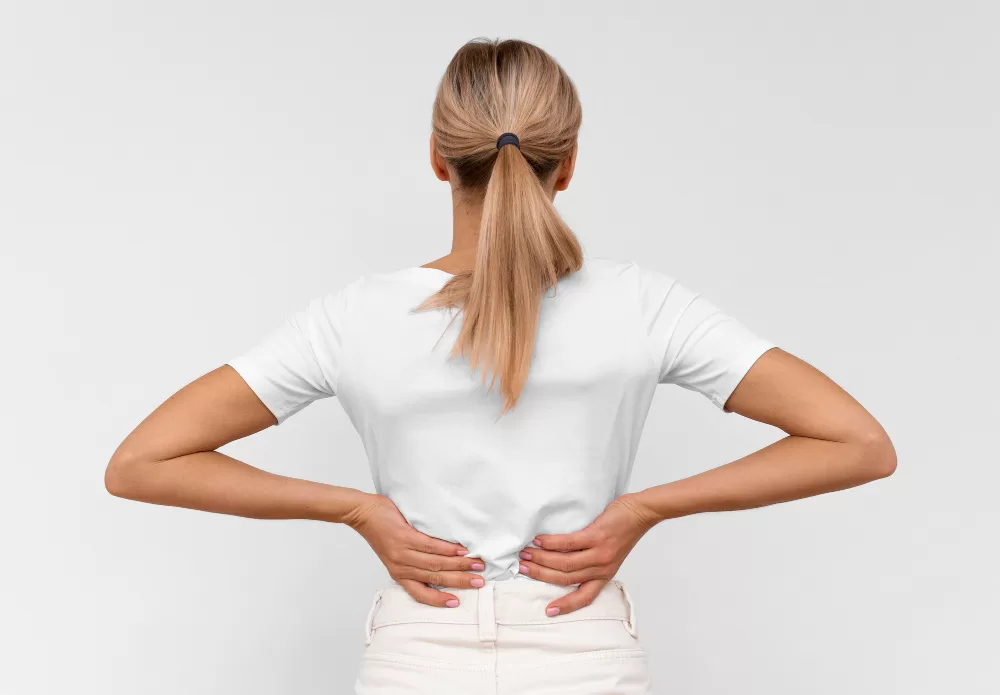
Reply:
x=170, y=459
x=833, y=443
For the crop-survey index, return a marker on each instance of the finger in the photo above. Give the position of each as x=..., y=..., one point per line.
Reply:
x=577, y=540
x=428, y=595
x=567, y=561
x=441, y=563
x=582, y=596
x=552, y=576
x=457, y=580
x=434, y=546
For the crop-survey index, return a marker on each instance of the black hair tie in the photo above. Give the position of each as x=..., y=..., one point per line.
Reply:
x=508, y=139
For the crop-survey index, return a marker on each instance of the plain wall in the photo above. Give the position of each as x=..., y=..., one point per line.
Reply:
x=175, y=178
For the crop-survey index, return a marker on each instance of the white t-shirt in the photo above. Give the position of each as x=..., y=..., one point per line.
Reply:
x=436, y=446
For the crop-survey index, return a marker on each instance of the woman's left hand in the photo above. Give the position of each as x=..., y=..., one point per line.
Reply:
x=589, y=557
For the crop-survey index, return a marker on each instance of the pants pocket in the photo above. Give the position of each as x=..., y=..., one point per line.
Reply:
x=605, y=672
x=403, y=674
x=369, y=627
x=629, y=623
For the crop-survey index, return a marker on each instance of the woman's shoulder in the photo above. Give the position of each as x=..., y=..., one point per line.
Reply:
x=385, y=290
x=382, y=283
x=624, y=272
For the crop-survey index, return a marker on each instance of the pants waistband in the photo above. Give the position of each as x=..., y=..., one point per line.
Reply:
x=506, y=602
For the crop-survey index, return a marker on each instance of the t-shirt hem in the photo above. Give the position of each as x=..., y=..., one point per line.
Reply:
x=267, y=394
x=740, y=366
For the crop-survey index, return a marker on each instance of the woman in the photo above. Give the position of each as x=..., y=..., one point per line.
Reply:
x=500, y=392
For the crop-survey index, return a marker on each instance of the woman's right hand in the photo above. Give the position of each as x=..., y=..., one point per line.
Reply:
x=412, y=558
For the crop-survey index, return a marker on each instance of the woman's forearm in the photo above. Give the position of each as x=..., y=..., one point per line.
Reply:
x=791, y=468
x=213, y=482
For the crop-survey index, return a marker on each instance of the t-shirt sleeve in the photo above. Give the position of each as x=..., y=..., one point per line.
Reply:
x=298, y=361
x=695, y=344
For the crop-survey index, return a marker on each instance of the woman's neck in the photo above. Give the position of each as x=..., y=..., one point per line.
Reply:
x=467, y=216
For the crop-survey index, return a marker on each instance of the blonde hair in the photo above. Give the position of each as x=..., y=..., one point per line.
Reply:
x=490, y=88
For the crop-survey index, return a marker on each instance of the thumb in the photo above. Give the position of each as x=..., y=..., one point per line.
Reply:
x=582, y=596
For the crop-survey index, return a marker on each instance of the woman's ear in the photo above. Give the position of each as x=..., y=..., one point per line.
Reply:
x=438, y=163
x=565, y=172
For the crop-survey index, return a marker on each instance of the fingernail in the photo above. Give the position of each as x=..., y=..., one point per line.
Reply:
x=522, y=568
x=463, y=551
x=552, y=611
x=537, y=542
x=477, y=581
x=451, y=603
x=525, y=555
x=478, y=566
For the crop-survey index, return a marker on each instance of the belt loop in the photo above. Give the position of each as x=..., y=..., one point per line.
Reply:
x=630, y=623
x=487, y=614
x=369, y=621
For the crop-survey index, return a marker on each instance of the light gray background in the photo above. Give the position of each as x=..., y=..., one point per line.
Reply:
x=177, y=177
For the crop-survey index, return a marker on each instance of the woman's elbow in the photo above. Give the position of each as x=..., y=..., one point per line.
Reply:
x=879, y=456
x=120, y=476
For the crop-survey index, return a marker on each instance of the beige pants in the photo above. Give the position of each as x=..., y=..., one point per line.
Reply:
x=500, y=642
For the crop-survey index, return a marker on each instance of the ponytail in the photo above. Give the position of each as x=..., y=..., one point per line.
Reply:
x=524, y=245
